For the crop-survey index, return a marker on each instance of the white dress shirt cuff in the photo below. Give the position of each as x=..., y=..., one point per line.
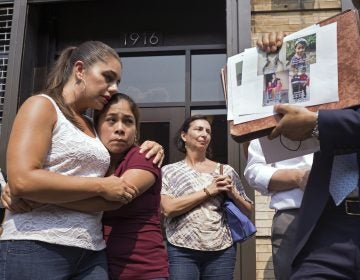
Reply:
x=263, y=178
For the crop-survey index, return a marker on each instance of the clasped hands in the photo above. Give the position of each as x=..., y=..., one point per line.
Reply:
x=221, y=184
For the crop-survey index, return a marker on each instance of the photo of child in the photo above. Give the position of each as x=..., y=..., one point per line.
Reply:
x=269, y=63
x=301, y=52
x=299, y=58
x=276, y=88
x=300, y=83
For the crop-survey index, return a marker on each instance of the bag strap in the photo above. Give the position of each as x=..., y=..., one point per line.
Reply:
x=221, y=169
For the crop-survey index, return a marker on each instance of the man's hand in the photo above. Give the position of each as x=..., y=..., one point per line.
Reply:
x=270, y=42
x=296, y=122
x=153, y=148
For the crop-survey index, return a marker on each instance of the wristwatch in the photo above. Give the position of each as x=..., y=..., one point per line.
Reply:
x=315, y=131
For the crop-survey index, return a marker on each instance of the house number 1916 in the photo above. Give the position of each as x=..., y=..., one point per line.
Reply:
x=141, y=39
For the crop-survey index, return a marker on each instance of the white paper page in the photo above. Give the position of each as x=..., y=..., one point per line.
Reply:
x=323, y=75
x=229, y=97
x=251, y=91
x=250, y=117
x=235, y=110
x=234, y=66
x=275, y=151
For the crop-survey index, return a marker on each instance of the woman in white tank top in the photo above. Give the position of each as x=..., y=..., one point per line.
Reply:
x=54, y=156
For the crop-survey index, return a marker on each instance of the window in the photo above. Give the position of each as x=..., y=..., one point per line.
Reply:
x=154, y=79
x=205, y=77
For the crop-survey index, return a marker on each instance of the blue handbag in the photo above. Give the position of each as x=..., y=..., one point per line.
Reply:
x=241, y=227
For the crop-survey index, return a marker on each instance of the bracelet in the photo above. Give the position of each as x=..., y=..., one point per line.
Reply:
x=315, y=131
x=207, y=192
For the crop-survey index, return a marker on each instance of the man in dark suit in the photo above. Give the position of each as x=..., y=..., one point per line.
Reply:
x=328, y=236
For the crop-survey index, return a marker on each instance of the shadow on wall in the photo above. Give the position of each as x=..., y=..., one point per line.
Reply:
x=269, y=270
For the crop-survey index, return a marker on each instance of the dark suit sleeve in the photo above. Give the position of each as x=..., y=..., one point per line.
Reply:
x=339, y=131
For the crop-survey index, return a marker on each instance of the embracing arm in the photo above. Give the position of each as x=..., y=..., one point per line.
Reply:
x=28, y=145
x=139, y=179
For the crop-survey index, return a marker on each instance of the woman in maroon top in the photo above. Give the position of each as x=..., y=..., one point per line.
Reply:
x=135, y=246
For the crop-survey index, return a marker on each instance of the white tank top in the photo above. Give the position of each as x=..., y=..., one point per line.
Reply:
x=72, y=152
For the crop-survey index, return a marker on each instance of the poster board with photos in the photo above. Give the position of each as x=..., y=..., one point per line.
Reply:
x=348, y=43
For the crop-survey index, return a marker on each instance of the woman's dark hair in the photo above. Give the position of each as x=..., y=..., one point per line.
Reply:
x=179, y=142
x=116, y=98
x=89, y=53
